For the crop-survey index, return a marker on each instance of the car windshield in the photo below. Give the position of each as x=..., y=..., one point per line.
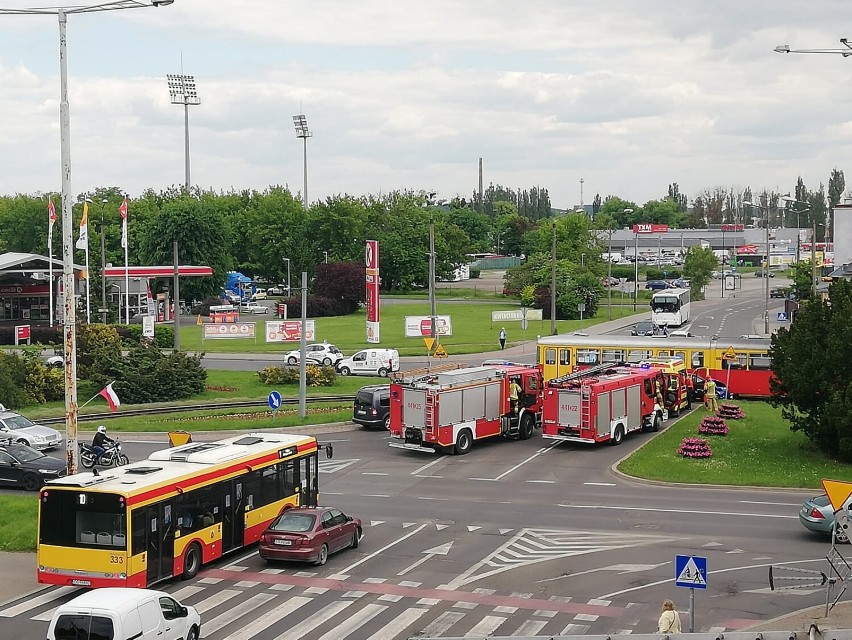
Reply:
x=23, y=453
x=294, y=523
x=18, y=422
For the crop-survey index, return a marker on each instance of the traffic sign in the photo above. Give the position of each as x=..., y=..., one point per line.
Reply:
x=440, y=352
x=691, y=571
x=428, y=342
x=524, y=323
x=274, y=400
x=782, y=316
x=729, y=354
x=838, y=492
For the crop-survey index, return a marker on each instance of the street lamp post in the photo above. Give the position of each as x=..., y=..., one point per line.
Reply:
x=609, y=275
x=103, y=264
x=553, y=279
x=790, y=200
x=69, y=316
x=182, y=91
x=765, y=265
x=287, y=260
x=301, y=124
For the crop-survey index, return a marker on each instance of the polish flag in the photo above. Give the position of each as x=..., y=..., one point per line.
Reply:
x=110, y=396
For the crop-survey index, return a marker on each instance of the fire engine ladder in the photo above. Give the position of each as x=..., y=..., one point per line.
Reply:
x=585, y=373
x=409, y=375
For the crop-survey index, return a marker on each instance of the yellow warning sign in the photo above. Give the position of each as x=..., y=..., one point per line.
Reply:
x=199, y=321
x=440, y=352
x=729, y=354
x=838, y=492
x=428, y=342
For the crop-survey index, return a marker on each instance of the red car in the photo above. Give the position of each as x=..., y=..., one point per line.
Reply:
x=309, y=534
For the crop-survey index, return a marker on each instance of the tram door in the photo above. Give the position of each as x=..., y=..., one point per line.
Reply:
x=160, y=540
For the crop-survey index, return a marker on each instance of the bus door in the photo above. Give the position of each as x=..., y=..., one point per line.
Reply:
x=160, y=540
x=233, y=516
x=309, y=477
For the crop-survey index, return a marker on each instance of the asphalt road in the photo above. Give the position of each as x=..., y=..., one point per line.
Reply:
x=517, y=537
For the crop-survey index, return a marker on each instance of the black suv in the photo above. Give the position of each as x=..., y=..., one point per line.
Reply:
x=372, y=406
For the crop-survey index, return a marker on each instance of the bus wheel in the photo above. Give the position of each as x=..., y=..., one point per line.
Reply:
x=191, y=562
x=527, y=427
x=618, y=436
x=464, y=442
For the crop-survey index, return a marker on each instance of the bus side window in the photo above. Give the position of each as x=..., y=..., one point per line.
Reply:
x=565, y=357
x=550, y=356
x=697, y=359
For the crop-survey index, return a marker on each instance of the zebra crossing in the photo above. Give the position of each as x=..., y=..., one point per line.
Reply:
x=262, y=612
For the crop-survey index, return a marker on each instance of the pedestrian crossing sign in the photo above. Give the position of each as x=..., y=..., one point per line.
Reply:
x=782, y=316
x=691, y=571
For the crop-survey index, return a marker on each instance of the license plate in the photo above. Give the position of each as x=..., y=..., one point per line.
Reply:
x=362, y=411
x=284, y=543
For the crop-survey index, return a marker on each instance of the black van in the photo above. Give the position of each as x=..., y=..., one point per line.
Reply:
x=372, y=406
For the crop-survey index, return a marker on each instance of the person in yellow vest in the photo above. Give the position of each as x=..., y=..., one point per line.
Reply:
x=711, y=399
x=514, y=394
x=672, y=390
x=658, y=392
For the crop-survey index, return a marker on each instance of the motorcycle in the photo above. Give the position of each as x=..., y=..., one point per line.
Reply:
x=112, y=456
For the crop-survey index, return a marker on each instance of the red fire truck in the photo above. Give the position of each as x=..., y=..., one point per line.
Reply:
x=448, y=411
x=602, y=404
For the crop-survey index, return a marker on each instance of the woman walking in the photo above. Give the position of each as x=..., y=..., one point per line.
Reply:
x=669, y=619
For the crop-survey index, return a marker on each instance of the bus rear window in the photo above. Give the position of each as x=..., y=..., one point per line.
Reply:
x=82, y=519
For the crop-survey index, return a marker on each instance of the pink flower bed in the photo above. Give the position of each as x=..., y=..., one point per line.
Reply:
x=712, y=426
x=694, y=448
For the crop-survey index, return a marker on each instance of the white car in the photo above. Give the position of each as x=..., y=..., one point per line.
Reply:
x=319, y=353
x=252, y=307
x=259, y=294
x=17, y=428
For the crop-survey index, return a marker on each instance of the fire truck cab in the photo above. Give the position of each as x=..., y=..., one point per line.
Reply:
x=676, y=386
x=602, y=404
x=447, y=411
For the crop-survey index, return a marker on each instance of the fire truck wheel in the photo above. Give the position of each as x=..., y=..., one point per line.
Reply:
x=674, y=412
x=464, y=442
x=617, y=436
x=527, y=427
x=658, y=421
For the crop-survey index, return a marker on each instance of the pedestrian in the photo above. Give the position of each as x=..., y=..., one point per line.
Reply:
x=669, y=618
x=666, y=330
x=711, y=398
x=502, y=338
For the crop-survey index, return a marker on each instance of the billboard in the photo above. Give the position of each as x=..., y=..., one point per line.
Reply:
x=421, y=326
x=229, y=330
x=650, y=228
x=289, y=330
x=371, y=260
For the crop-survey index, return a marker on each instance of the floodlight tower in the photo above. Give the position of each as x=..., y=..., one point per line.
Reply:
x=302, y=131
x=182, y=90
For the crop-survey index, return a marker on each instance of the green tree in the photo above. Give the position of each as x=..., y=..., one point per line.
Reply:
x=836, y=187
x=803, y=280
x=812, y=372
x=698, y=265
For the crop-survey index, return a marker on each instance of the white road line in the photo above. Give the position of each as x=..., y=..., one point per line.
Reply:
x=485, y=627
x=429, y=498
x=354, y=622
x=442, y=623
x=11, y=612
x=428, y=476
x=780, y=504
x=348, y=569
x=146, y=441
x=185, y=592
x=426, y=466
x=523, y=462
x=375, y=495
x=708, y=513
x=223, y=619
x=240, y=559
x=530, y=628
x=542, y=481
x=411, y=567
x=270, y=618
x=600, y=484
x=400, y=623
x=484, y=479
x=374, y=473
x=216, y=599
x=306, y=626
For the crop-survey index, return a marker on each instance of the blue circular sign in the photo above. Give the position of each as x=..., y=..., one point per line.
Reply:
x=274, y=400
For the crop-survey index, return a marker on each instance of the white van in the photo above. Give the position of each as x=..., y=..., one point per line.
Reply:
x=370, y=362
x=118, y=613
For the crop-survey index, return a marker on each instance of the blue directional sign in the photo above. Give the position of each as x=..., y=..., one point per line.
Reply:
x=782, y=316
x=691, y=571
x=274, y=400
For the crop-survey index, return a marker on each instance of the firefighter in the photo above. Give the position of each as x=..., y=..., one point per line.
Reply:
x=514, y=394
x=711, y=399
x=658, y=393
x=673, y=388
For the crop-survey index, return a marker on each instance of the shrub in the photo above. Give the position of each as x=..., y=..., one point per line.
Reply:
x=712, y=426
x=320, y=307
x=656, y=273
x=12, y=380
x=315, y=375
x=624, y=271
x=164, y=334
x=38, y=334
x=98, y=349
x=694, y=448
x=474, y=274
x=145, y=374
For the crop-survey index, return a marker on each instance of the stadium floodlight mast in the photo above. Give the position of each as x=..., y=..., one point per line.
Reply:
x=302, y=131
x=182, y=91
x=69, y=319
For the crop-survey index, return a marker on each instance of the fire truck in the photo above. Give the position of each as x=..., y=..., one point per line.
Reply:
x=602, y=404
x=676, y=387
x=448, y=411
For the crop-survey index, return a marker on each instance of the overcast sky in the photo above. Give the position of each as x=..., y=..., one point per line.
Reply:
x=627, y=95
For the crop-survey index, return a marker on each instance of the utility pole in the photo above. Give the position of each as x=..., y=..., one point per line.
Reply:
x=481, y=203
x=176, y=301
x=432, y=302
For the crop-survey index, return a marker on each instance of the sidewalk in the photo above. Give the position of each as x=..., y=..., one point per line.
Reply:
x=17, y=575
x=840, y=617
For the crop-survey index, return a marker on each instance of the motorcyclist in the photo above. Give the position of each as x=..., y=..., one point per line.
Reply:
x=101, y=441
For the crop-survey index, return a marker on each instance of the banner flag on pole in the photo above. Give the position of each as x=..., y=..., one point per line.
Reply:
x=123, y=211
x=83, y=242
x=52, y=217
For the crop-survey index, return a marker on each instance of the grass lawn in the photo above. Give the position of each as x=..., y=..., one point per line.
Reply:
x=18, y=524
x=760, y=450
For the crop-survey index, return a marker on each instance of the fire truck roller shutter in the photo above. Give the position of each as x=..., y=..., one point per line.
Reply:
x=619, y=411
x=493, y=400
x=450, y=407
x=473, y=404
x=569, y=407
x=634, y=405
x=602, y=421
x=414, y=408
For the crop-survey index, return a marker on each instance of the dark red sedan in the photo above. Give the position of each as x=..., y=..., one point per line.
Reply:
x=309, y=534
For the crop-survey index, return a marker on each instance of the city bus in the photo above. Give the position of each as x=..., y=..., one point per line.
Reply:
x=166, y=516
x=743, y=364
x=670, y=307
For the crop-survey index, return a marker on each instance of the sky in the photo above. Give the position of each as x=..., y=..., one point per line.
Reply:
x=626, y=96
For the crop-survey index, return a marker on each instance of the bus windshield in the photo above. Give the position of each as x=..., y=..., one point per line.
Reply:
x=82, y=519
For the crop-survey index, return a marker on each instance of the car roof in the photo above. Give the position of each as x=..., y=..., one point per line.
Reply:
x=308, y=510
x=110, y=597
x=375, y=387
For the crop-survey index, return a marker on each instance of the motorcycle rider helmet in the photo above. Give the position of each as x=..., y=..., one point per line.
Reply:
x=102, y=429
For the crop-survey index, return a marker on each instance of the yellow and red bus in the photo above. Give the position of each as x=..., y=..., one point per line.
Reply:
x=743, y=364
x=166, y=516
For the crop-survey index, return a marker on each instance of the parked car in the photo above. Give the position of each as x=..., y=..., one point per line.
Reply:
x=817, y=515
x=372, y=406
x=318, y=353
x=23, y=466
x=253, y=308
x=308, y=534
x=370, y=362
x=698, y=382
x=657, y=285
x=259, y=294
x=17, y=428
x=681, y=283
x=644, y=329
x=610, y=281
x=55, y=362
x=277, y=290
x=716, y=275
x=760, y=274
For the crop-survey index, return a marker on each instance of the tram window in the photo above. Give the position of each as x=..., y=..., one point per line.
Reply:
x=588, y=356
x=741, y=361
x=565, y=357
x=638, y=355
x=663, y=353
x=680, y=354
x=613, y=355
x=697, y=359
x=759, y=361
x=550, y=356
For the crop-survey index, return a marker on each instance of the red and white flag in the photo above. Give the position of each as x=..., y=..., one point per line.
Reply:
x=111, y=397
x=123, y=211
x=51, y=217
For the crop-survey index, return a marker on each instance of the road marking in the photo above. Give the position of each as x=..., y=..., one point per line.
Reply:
x=374, y=473
x=600, y=484
x=442, y=623
x=530, y=628
x=11, y=612
x=375, y=495
x=223, y=619
x=146, y=442
x=429, y=476
x=428, y=498
x=542, y=481
x=484, y=479
x=354, y=622
x=382, y=550
x=780, y=504
x=239, y=559
x=523, y=462
x=306, y=626
x=441, y=550
x=486, y=627
x=270, y=618
x=426, y=466
x=400, y=623
x=216, y=599
x=707, y=513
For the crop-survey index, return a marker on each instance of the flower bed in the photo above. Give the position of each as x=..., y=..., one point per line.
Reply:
x=713, y=426
x=694, y=448
x=731, y=412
